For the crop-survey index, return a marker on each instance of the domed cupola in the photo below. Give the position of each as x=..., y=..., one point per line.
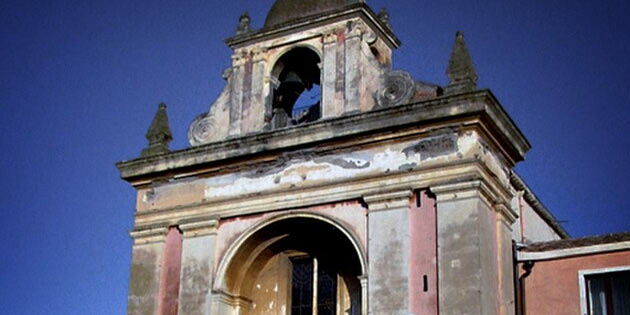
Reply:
x=284, y=11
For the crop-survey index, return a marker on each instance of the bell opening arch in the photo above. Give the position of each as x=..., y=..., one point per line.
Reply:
x=297, y=263
x=296, y=87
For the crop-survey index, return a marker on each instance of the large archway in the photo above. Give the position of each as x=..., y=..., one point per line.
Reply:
x=296, y=265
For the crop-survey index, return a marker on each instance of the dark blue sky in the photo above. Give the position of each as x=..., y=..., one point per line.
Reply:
x=81, y=80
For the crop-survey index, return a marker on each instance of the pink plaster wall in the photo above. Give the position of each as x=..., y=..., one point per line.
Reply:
x=553, y=286
x=423, y=255
x=169, y=275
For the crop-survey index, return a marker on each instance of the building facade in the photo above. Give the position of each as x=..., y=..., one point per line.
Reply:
x=322, y=181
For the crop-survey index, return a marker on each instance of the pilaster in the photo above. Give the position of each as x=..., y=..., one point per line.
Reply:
x=195, y=293
x=146, y=261
x=236, y=95
x=256, y=120
x=388, y=252
x=353, y=71
x=468, y=249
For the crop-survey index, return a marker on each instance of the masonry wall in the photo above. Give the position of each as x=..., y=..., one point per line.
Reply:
x=553, y=286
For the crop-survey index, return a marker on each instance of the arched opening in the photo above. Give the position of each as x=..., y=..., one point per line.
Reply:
x=299, y=266
x=296, y=88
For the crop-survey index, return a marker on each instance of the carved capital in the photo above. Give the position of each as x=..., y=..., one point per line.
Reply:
x=148, y=235
x=329, y=37
x=239, y=58
x=259, y=54
x=388, y=201
x=463, y=190
x=355, y=30
x=202, y=228
x=475, y=189
x=220, y=299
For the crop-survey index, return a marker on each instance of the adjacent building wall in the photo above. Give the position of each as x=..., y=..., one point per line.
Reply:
x=534, y=228
x=553, y=286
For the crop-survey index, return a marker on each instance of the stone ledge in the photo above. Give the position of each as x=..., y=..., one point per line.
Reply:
x=479, y=103
x=388, y=200
x=201, y=228
x=359, y=9
x=476, y=188
x=149, y=235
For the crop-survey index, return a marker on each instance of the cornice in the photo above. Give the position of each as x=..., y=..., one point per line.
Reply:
x=149, y=235
x=200, y=228
x=475, y=104
x=368, y=189
x=390, y=200
x=358, y=9
x=573, y=252
x=475, y=188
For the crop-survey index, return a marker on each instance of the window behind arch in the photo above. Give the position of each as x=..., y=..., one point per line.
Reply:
x=313, y=283
x=296, y=91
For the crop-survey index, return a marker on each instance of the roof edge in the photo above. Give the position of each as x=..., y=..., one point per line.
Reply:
x=537, y=205
x=568, y=248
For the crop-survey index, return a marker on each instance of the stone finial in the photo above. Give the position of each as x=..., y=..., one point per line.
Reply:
x=461, y=71
x=383, y=15
x=244, y=24
x=159, y=133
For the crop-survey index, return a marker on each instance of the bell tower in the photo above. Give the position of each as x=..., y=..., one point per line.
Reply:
x=312, y=60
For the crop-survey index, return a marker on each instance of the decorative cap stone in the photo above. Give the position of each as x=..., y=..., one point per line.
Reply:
x=461, y=71
x=383, y=15
x=159, y=133
x=244, y=24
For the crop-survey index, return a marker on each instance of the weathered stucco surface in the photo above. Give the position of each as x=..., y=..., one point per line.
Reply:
x=170, y=273
x=467, y=254
x=389, y=261
x=144, y=283
x=310, y=169
x=562, y=297
x=195, y=295
x=249, y=193
x=423, y=271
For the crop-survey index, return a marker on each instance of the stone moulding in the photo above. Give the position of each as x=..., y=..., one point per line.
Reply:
x=476, y=104
x=389, y=200
x=358, y=9
x=474, y=189
x=149, y=235
x=370, y=190
x=200, y=228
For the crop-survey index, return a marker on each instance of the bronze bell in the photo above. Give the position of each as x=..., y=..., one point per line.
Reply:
x=293, y=78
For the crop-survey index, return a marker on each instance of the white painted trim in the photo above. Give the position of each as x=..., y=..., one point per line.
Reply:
x=582, y=281
x=575, y=251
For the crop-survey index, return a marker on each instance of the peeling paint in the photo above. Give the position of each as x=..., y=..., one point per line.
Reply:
x=350, y=163
x=194, y=286
x=407, y=167
x=144, y=281
x=433, y=146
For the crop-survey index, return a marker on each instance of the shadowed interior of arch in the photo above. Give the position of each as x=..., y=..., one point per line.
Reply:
x=297, y=92
x=297, y=266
